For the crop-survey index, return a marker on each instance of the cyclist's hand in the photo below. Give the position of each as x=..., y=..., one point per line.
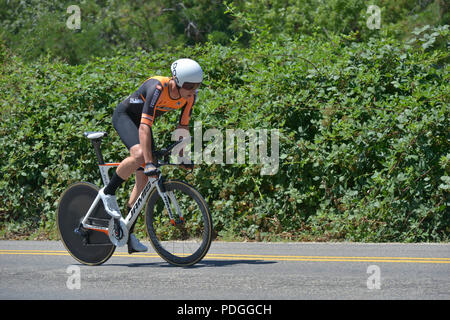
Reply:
x=150, y=170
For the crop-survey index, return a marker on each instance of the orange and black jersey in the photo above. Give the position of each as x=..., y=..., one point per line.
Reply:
x=152, y=99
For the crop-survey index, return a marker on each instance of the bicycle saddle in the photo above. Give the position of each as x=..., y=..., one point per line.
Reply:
x=95, y=134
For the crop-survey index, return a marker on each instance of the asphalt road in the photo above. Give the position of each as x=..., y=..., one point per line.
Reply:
x=244, y=271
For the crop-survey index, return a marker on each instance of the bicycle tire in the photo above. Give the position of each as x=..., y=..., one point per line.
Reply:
x=197, y=221
x=95, y=247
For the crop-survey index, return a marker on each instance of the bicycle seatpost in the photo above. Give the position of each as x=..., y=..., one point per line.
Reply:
x=96, y=144
x=96, y=140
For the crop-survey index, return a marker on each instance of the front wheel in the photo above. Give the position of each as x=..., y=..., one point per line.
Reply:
x=186, y=239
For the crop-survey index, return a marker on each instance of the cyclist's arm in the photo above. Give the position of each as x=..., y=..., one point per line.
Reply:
x=145, y=138
x=186, y=113
x=147, y=118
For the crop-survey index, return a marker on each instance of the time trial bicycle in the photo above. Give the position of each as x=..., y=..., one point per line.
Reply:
x=177, y=217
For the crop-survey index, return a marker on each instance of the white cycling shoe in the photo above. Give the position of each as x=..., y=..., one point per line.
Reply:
x=134, y=245
x=110, y=204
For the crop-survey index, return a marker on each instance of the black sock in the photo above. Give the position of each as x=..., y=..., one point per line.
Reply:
x=112, y=186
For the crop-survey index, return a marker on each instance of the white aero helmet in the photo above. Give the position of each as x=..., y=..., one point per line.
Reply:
x=186, y=70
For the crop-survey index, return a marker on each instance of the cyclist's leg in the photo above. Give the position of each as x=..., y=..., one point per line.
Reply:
x=141, y=178
x=130, y=164
x=128, y=130
x=129, y=133
x=133, y=243
x=141, y=181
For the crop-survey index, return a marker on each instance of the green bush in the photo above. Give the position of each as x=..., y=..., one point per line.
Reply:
x=35, y=28
x=364, y=140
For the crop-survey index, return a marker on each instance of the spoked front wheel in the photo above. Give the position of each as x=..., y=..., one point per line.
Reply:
x=186, y=239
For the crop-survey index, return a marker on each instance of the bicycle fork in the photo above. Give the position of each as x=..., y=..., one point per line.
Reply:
x=168, y=197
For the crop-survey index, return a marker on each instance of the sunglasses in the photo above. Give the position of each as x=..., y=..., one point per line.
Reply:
x=190, y=86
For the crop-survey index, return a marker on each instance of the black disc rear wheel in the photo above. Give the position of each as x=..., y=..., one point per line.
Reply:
x=87, y=246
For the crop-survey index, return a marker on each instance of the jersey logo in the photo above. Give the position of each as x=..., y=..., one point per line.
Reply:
x=155, y=98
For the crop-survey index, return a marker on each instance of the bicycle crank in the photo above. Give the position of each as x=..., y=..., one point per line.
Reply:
x=118, y=232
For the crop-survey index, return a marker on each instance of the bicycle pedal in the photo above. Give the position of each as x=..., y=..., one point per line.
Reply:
x=118, y=232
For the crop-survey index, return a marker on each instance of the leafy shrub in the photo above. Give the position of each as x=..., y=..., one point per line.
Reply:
x=363, y=128
x=35, y=28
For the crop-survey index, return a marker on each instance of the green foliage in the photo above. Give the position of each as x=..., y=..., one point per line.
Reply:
x=35, y=28
x=363, y=114
x=363, y=127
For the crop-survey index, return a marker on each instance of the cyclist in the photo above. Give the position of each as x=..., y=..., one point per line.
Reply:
x=133, y=119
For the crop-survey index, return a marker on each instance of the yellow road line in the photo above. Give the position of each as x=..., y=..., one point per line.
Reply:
x=319, y=259
x=331, y=257
x=235, y=255
x=16, y=250
x=225, y=256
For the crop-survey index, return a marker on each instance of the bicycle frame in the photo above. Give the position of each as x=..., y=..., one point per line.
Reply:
x=168, y=197
x=137, y=207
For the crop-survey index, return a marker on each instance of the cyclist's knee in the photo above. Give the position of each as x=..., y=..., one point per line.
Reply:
x=137, y=154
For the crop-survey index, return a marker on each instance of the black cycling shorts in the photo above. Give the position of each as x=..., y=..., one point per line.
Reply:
x=127, y=126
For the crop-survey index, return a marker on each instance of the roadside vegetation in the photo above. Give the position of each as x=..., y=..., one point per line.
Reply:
x=363, y=114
